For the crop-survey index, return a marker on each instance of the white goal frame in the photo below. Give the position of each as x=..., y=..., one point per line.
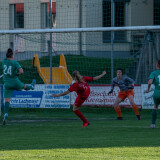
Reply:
x=70, y=30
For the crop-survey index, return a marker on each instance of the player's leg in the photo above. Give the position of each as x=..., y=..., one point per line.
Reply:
x=7, y=96
x=30, y=86
x=134, y=106
x=6, y=109
x=8, y=92
x=154, y=116
x=78, y=102
x=117, y=108
x=154, y=111
x=18, y=85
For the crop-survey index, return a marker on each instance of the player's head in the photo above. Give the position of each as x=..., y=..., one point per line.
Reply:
x=119, y=72
x=9, y=53
x=158, y=64
x=76, y=76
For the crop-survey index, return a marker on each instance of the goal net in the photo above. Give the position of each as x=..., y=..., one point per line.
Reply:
x=51, y=55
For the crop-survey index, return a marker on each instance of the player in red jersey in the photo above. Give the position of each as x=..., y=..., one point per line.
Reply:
x=81, y=87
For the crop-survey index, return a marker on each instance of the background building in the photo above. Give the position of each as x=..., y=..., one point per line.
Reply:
x=27, y=14
x=141, y=46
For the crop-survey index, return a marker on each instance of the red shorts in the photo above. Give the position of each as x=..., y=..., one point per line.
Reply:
x=124, y=94
x=79, y=101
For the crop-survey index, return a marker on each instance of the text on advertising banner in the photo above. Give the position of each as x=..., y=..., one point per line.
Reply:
x=99, y=96
x=41, y=97
x=147, y=98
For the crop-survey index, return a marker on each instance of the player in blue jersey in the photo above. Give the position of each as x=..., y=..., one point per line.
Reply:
x=126, y=85
x=155, y=79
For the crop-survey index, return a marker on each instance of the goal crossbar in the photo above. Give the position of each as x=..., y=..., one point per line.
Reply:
x=66, y=30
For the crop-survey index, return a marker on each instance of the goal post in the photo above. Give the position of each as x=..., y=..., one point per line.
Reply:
x=135, y=51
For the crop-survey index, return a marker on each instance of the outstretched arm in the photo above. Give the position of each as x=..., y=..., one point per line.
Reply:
x=149, y=85
x=15, y=52
x=100, y=76
x=61, y=94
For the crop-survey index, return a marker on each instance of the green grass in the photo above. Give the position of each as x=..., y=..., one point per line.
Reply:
x=88, y=66
x=58, y=134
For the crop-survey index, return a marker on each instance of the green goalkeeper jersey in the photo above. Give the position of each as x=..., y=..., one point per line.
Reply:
x=155, y=75
x=10, y=69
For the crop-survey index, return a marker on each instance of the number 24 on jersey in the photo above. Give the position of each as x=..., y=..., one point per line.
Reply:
x=7, y=70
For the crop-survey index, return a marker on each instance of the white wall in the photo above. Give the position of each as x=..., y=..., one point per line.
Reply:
x=138, y=13
x=4, y=24
x=141, y=13
x=32, y=20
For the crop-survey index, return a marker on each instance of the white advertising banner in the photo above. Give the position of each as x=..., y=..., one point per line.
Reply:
x=99, y=97
x=147, y=98
x=41, y=97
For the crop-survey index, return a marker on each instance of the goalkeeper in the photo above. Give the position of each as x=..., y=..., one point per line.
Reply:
x=82, y=89
x=11, y=70
x=155, y=79
x=126, y=85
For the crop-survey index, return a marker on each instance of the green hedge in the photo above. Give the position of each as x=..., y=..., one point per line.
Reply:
x=87, y=66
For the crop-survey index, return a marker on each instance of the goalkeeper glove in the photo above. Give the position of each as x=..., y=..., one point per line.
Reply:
x=110, y=91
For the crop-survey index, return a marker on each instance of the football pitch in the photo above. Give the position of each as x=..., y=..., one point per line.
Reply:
x=58, y=134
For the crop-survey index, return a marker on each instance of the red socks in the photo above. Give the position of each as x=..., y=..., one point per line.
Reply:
x=81, y=116
x=135, y=108
x=118, y=111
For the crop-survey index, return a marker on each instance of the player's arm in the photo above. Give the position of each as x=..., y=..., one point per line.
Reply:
x=61, y=94
x=112, y=87
x=20, y=71
x=150, y=81
x=19, y=68
x=130, y=80
x=100, y=76
x=15, y=52
x=149, y=85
